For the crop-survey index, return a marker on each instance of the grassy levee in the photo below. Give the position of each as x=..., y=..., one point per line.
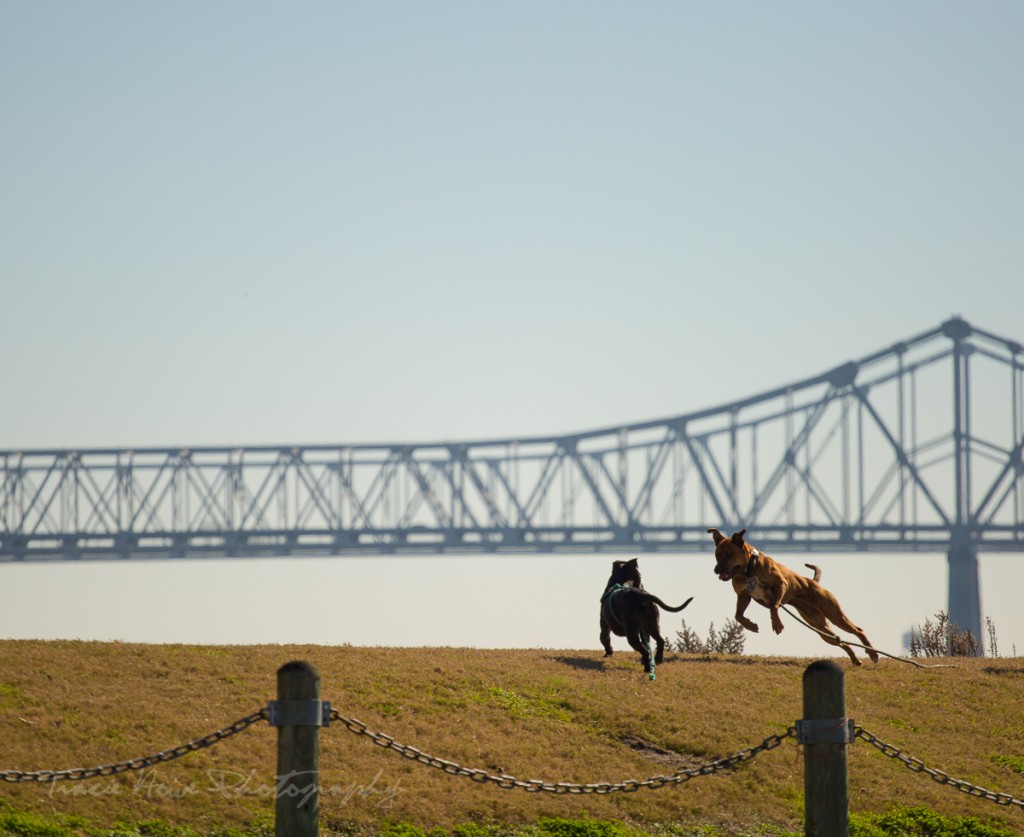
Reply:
x=561, y=716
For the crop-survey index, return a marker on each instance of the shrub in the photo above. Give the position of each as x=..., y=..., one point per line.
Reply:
x=559, y=827
x=993, y=643
x=944, y=639
x=30, y=825
x=402, y=829
x=472, y=829
x=729, y=640
x=922, y=822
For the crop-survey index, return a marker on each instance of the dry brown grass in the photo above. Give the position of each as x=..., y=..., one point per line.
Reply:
x=553, y=715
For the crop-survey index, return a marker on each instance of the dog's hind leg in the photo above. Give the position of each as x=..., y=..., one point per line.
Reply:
x=834, y=613
x=636, y=642
x=659, y=640
x=843, y=622
x=816, y=619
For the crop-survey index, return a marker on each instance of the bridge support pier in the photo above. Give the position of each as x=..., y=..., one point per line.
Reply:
x=964, y=587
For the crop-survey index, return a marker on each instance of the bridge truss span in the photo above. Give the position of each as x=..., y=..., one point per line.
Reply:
x=909, y=448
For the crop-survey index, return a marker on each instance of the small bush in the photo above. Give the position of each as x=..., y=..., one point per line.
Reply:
x=922, y=822
x=944, y=639
x=403, y=829
x=472, y=829
x=559, y=827
x=729, y=640
x=30, y=825
x=993, y=642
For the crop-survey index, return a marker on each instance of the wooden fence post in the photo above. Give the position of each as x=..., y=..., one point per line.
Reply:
x=298, y=715
x=825, y=732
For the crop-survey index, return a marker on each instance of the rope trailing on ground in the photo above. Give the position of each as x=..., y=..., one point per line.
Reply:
x=865, y=647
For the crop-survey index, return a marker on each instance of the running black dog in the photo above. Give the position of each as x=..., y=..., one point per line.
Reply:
x=630, y=611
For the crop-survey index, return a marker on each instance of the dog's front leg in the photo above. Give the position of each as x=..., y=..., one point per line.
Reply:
x=742, y=600
x=777, y=625
x=606, y=637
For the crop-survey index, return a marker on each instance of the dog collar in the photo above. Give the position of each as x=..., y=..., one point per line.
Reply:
x=752, y=563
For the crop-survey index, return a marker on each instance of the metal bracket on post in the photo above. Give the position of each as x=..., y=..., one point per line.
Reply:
x=299, y=713
x=825, y=731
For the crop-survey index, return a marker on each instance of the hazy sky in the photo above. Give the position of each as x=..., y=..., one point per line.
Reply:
x=235, y=223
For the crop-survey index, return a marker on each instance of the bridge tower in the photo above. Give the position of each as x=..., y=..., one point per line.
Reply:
x=964, y=587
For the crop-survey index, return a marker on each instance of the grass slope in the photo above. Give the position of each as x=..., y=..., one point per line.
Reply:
x=561, y=716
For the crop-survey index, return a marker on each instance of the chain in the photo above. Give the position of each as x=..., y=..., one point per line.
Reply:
x=503, y=780
x=937, y=775
x=537, y=785
x=142, y=763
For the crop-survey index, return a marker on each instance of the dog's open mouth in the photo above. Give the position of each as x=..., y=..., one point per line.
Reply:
x=726, y=574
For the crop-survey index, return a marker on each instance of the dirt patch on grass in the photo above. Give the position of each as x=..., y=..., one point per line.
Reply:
x=660, y=755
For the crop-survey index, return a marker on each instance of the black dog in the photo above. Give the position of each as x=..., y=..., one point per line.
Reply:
x=630, y=611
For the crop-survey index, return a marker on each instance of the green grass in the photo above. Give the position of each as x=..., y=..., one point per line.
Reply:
x=1015, y=763
x=902, y=822
x=526, y=706
x=12, y=697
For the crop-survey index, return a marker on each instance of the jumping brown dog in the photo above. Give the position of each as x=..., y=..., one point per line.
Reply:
x=756, y=576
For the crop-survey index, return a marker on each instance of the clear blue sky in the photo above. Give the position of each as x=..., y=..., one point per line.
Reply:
x=255, y=222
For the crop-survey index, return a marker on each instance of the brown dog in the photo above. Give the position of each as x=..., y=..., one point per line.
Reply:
x=756, y=576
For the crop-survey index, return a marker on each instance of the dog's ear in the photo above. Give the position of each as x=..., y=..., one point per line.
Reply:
x=718, y=536
x=738, y=537
x=618, y=565
x=632, y=561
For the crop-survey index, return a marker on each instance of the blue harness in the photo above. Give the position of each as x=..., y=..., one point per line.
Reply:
x=608, y=610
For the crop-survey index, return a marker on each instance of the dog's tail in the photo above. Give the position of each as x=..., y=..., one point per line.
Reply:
x=664, y=606
x=817, y=571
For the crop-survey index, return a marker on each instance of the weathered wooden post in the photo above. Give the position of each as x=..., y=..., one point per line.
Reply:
x=825, y=732
x=298, y=714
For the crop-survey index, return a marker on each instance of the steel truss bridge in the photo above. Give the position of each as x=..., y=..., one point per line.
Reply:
x=915, y=447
